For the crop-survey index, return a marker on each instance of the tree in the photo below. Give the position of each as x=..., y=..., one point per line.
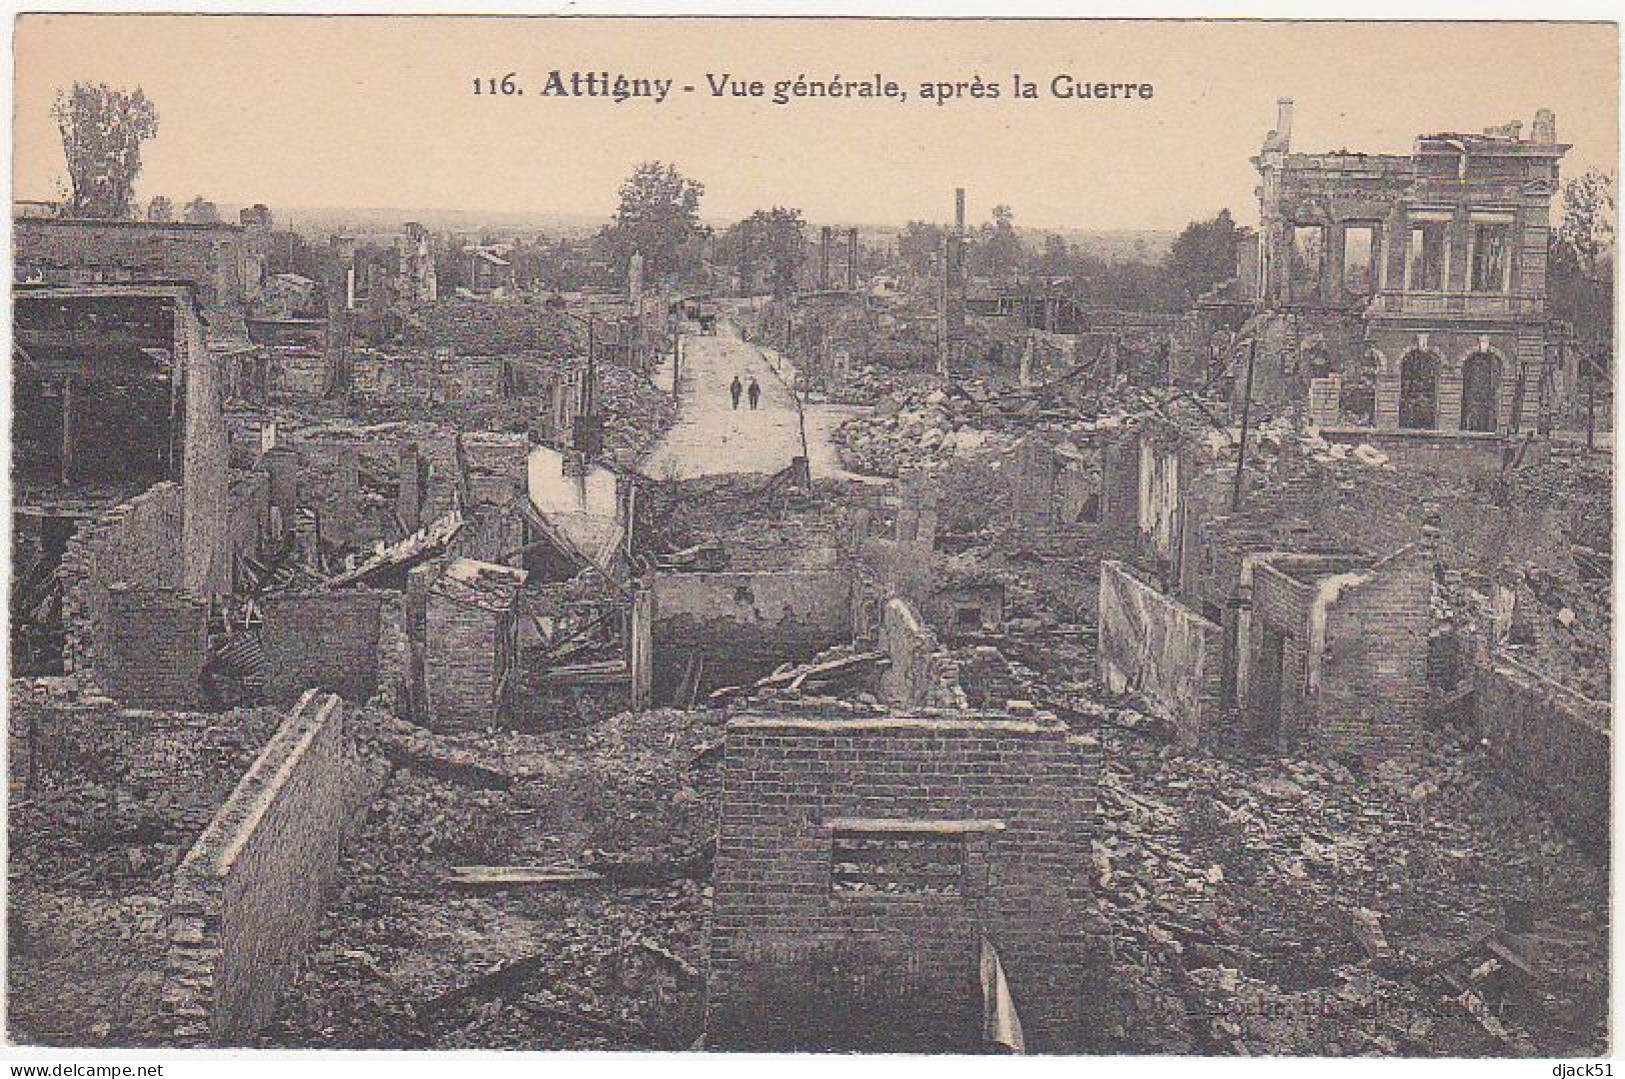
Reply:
x=920, y=245
x=160, y=209
x=774, y=240
x=200, y=211
x=1202, y=256
x=659, y=212
x=999, y=253
x=1056, y=259
x=102, y=132
x=1580, y=267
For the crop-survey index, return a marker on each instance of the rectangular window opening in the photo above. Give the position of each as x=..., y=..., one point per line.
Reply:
x=1359, y=262
x=1424, y=259
x=1491, y=256
x=897, y=862
x=1306, y=253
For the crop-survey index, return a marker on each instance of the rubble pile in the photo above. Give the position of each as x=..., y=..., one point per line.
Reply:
x=635, y=413
x=606, y=953
x=1296, y=907
x=921, y=426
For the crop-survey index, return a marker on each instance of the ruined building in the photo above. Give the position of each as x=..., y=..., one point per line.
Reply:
x=1406, y=293
x=125, y=335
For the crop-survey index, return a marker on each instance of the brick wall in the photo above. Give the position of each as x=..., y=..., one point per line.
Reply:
x=249, y=894
x=872, y=967
x=206, y=459
x=1550, y=745
x=466, y=658
x=1353, y=654
x=153, y=646
x=138, y=541
x=1154, y=645
x=326, y=640
x=1371, y=675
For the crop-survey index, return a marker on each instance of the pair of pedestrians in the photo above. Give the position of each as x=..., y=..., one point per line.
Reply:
x=737, y=388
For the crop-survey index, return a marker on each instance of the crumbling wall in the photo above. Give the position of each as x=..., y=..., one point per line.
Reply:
x=183, y=764
x=324, y=640
x=1369, y=674
x=248, y=895
x=466, y=662
x=1550, y=745
x=68, y=251
x=138, y=541
x=1154, y=645
x=153, y=647
x=921, y=674
x=877, y=955
x=749, y=617
x=248, y=518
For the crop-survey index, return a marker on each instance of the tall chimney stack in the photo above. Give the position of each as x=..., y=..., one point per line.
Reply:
x=959, y=210
x=1283, y=122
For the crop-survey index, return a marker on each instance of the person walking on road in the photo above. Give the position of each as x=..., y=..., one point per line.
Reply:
x=755, y=393
x=736, y=389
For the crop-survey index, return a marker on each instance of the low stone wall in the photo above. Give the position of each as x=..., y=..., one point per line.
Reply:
x=1153, y=645
x=248, y=895
x=1550, y=745
x=181, y=764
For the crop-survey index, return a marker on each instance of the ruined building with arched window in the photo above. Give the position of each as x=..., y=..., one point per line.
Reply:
x=1404, y=296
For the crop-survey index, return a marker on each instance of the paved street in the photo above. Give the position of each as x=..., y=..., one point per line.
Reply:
x=712, y=438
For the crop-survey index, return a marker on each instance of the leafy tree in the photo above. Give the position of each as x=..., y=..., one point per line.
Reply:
x=160, y=209
x=200, y=211
x=1202, y=256
x=920, y=245
x=1056, y=259
x=1580, y=267
x=102, y=132
x=659, y=213
x=774, y=240
x=1000, y=253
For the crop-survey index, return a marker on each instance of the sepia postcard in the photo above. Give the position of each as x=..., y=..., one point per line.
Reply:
x=811, y=535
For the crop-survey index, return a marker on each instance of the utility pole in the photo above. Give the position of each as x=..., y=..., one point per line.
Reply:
x=1246, y=414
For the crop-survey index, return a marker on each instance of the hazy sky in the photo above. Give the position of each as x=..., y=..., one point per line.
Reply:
x=380, y=112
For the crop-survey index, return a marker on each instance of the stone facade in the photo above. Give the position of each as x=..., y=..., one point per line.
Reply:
x=1440, y=253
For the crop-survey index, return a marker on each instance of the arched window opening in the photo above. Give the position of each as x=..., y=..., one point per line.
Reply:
x=1419, y=391
x=1480, y=392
